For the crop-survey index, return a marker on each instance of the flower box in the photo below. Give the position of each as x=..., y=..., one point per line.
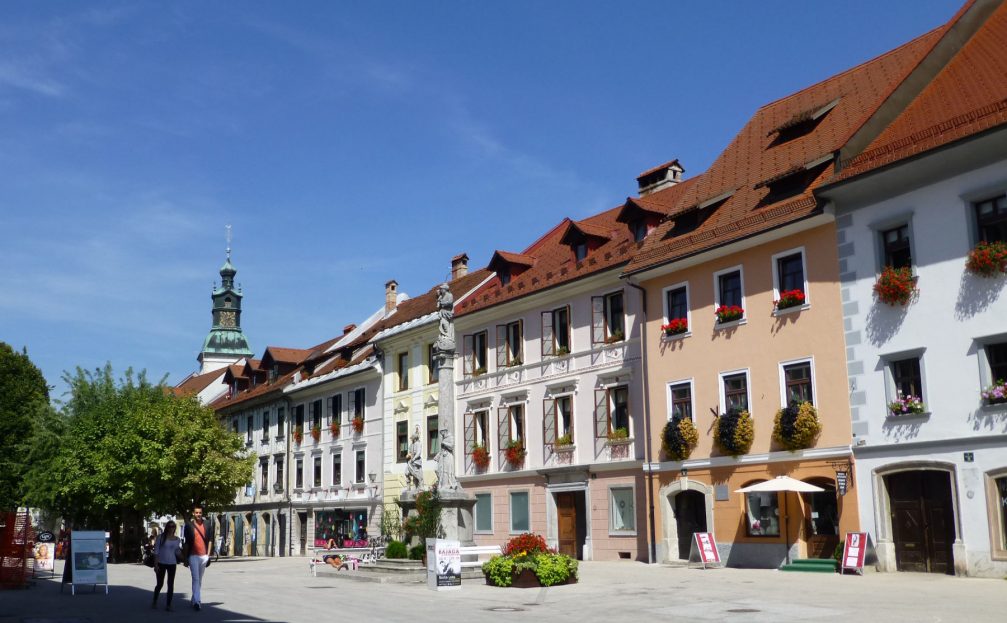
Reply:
x=619, y=435
x=480, y=457
x=617, y=336
x=727, y=314
x=676, y=326
x=906, y=405
x=734, y=432
x=334, y=429
x=788, y=299
x=316, y=433
x=797, y=426
x=988, y=259
x=358, y=424
x=896, y=286
x=995, y=394
x=564, y=442
x=515, y=453
x=679, y=438
x=298, y=436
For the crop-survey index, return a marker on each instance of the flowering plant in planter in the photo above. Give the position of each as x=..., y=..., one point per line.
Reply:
x=617, y=336
x=988, y=259
x=563, y=441
x=733, y=431
x=729, y=313
x=676, y=326
x=562, y=350
x=334, y=429
x=895, y=286
x=298, y=435
x=789, y=298
x=904, y=405
x=480, y=457
x=619, y=434
x=996, y=394
x=358, y=424
x=528, y=554
x=797, y=426
x=679, y=438
x=515, y=452
x=316, y=433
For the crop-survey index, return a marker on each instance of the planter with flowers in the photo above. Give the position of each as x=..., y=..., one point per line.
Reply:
x=679, y=438
x=789, y=299
x=988, y=259
x=358, y=424
x=797, y=426
x=995, y=394
x=616, y=336
x=480, y=457
x=316, y=433
x=678, y=326
x=734, y=432
x=528, y=562
x=906, y=405
x=334, y=429
x=298, y=435
x=729, y=313
x=896, y=286
x=515, y=453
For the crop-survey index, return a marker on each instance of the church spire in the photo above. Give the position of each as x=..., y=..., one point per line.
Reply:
x=226, y=343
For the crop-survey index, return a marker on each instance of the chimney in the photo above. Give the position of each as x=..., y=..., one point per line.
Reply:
x=459, y=266
x=659, y=178
x=391, y=295
x=348, y=328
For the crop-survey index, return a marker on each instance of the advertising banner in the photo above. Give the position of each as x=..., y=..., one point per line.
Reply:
x=444, y=564
x=707, y=547
x=45, y=555
x=87, y=549
x=854, y=550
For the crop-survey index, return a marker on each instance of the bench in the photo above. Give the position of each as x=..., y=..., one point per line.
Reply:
x=478, y=550
x=352, y=557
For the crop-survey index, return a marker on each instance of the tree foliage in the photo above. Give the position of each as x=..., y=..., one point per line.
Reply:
x=24, y=403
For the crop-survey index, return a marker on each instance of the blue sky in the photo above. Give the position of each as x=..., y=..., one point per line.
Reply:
x=350, y=143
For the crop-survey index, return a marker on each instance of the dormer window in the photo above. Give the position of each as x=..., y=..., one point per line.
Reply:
x=793, y=182
x=580, y=251
x=801, y=124
x=509, y=265
x=639, y=229
x=504, y=278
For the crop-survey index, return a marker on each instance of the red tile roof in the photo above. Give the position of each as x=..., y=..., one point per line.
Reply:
x=426, y=303
x=756, y=156
x=197, y=383
x=967, y=97
x=287, y=355
x=586, y=229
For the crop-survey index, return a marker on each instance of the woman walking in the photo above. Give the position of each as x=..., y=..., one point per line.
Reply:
x=167, y=551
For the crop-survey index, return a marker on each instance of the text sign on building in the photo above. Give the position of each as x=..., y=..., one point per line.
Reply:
x=706, y=545
x=444, y=564
x=841, y=482
x=854, y=550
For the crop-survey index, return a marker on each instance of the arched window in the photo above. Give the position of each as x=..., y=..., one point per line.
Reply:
x=762, y=512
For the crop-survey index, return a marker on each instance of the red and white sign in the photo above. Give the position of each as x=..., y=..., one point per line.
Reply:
x=706, y=545
x=854, y=550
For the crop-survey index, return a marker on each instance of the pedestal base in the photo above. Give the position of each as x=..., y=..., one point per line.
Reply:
x=457, y=514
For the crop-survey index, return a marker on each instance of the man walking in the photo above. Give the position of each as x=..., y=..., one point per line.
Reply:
x=197, y=550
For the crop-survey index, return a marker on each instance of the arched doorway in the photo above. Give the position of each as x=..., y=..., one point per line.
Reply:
x=922, y=511
x=821, y=521
x=690, y=518
x=681, y=519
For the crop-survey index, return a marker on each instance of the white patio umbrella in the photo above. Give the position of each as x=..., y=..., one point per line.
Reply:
x=782, y=484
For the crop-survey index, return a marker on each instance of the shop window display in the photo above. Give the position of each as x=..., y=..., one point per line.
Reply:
x=341, y=528
x=763, y=510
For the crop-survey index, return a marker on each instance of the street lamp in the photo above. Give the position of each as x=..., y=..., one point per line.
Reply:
x=374, y=487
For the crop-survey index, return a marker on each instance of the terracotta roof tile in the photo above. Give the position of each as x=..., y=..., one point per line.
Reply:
x=420, y=306
x=197, y=383
x=288, y=355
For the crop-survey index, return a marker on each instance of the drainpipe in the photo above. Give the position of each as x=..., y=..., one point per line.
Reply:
x=286, y=472
x=651, y=537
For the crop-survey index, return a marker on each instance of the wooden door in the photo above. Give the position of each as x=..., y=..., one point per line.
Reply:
x=690, y=517
x=566, y=514
x=922, y=521
x=303, y=521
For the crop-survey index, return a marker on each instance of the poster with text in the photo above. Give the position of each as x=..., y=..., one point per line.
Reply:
x=45, y=555
x=444, y=567
x=88, y=551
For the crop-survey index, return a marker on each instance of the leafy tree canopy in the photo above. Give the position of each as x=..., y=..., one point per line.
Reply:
x=24, y=400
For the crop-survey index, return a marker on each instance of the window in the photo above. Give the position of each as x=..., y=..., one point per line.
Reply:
x=249, y=425
x=299, y=417
x=263, y=474
x=789, y=275
x=580, y=251
x=358, y=403
x=234, y=424
x=515, y=416
x=482, y=431
x=316, y=414
x=622, y=517
x=556, y=332
x=676, y=303
x=433, y=439
x=316, y=480
x=432, y=372
x=281, y=416
x=620, y=409
x=401, y=441
x=564, y=417
x=996, y=491
x=763, y=510
x=509, y=344
x=337, y=469
x=475, y=353
x=797, y=383
x=504, y=276
x=299, y=474
x=611, y=412
x=895, y=243
x=729, y=290
x=639, y=229
x=265, y=426
x=278, y=460
x=991, y=219
x=358, y=475
x=735, y=391
x=336, y=413
x=996, y=356
x=519, y=515
x=680, y=399
x=484, y=513
x=907, y=377
x=403, y=371
x=615, y=328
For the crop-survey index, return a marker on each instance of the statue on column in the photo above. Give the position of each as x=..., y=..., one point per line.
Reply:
x=446, y=479
x=414, y=463
x=446, y=327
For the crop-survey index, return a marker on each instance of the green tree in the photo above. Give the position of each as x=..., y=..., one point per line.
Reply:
x=24, y=402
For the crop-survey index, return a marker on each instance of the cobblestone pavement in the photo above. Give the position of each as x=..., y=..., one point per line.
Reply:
x=281, y=589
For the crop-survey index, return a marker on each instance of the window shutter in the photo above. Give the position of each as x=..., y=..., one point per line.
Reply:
x=549, y=422
x=503, y=430
x=328, y=408
x=601, y=414
x=501, y=346
x=470, y=438
x=597, y=319
x=467, y=354
x=520, y=342
x=337, y=408
x=353, y=404
x=548, y=347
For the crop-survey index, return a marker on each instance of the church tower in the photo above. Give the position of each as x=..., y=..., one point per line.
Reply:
x=225, y=344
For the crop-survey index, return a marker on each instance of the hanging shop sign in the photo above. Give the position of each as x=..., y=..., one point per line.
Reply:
x=841, y=481
x=854, y=550
x=705, y=546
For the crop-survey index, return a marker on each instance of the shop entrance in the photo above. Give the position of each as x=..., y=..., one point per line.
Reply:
x=822, y=520
x=239, y=536
x=922, y=520
x=690, y=517
x=570, y=517
x=302, y=524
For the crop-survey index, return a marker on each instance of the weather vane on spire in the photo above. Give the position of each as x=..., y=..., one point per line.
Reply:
x=228, y=229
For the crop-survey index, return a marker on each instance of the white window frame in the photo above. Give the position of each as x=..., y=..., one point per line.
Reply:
x=299, y=472
x=610, y=397
x=357, y=480
x=985, y=372
x=783, y=380
x=475, y=520
x=569, y=329
x=740, y=269
x=688, y=305
x=332, y=467
x=480, y=440
x=523, y=405
x=611, y=510
x=573, y=414
x=776, y=277
x=748, y=387
x=509, y=355
x=692, y=395
x=607, y=313
x=891, y=391
x=321, y=471
x=510, y=510
x=887, y=223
